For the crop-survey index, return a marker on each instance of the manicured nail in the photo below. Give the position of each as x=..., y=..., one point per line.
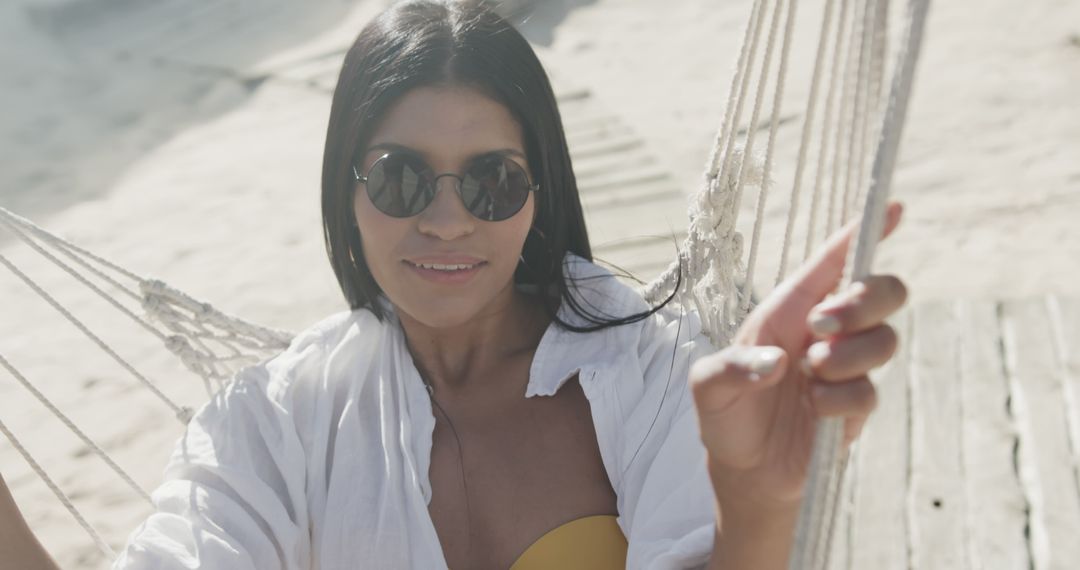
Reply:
x=818, y=352
x=804, y=367
x=764, y=360
x=855, y=289
x=824, y=325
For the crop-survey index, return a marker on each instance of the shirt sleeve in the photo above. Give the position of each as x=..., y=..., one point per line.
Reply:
x=233, y=496
x=668, y=510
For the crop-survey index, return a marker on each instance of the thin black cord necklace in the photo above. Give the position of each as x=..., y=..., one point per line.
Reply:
x=461, y=465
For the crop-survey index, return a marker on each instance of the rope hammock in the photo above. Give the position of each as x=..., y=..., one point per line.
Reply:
x=715, y=279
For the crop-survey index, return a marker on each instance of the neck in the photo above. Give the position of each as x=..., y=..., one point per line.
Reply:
x=457, y=358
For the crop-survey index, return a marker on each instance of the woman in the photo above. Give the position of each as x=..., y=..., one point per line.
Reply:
x=396, y=435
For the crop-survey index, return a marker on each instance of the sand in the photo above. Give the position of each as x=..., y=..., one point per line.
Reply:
x=185, y=143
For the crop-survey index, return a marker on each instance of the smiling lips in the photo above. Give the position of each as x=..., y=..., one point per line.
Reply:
x=446, y=269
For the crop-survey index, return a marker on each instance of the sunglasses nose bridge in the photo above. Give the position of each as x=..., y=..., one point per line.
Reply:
x=460, y=180
x=456, y=191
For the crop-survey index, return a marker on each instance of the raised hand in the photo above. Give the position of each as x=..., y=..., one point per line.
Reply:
x=799, y=356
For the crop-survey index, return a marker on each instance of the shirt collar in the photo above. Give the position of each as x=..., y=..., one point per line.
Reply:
x=563, y=353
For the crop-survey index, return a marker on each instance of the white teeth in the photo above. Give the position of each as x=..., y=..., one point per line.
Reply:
x=444, y=267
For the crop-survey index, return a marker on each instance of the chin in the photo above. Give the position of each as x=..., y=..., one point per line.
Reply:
x=444, y=314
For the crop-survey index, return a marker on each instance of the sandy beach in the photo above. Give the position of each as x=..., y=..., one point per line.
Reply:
x=185, y=143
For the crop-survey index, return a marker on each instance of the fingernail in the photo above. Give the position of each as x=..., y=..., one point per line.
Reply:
x=818, y=352
x=804, y=367
x=855, y=289
x=764, y=360
x=824, y=325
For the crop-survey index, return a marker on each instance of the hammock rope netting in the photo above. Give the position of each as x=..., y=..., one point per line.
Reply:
x=851, y=152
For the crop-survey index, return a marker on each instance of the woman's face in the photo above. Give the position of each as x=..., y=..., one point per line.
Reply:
x=446, y=126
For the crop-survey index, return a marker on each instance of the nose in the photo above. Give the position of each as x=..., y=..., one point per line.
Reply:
x=446, y=217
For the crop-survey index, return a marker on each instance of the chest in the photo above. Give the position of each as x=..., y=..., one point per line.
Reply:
x=504, y=475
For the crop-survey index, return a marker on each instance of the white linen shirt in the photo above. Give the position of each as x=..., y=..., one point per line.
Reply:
x=317, y=459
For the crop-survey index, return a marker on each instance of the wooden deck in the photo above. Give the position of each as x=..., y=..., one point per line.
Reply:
x=971, y=458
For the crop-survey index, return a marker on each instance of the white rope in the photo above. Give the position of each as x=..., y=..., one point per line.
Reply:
x=740, y=101
x=832, y=213
x=876, y=101
x=748, y=146
x=856, y=144
x=49, y=237
x=192, y=322
x=64, y=499
x=804, y=143
x=81, y=279
x=828, y=458
x=182, y=413
x=826, y=126
x=770, y=146
x=720, y=141
x=180, y=313
x=5, y=363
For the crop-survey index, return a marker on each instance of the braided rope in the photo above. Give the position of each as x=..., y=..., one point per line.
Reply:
x=856, y=137
x=182, y=413
x=74, y=429
x=49, y=237
x=748, y=149
x=64, y=499
x=826, y=127
x=720, y=142
x=829, y=458
x=83, y=280
x=770, y=146
x=804, y=142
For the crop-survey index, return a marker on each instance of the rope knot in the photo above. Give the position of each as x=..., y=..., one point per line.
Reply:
x=185, y=414
x=179, y=346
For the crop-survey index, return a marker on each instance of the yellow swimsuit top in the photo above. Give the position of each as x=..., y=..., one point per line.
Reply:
x=589, y=543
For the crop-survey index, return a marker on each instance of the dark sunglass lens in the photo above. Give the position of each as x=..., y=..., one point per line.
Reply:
x=399, y=185
x=495, y=188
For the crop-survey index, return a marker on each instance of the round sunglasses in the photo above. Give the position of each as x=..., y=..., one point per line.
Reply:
x=402, y=185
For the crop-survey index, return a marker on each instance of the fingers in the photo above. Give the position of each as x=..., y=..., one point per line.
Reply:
x=821, y=274
x=863, y=305
x=853, y=400
x=717, y=380
x=840, y=358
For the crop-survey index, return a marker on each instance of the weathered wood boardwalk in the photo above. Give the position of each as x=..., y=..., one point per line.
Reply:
x=971, y=458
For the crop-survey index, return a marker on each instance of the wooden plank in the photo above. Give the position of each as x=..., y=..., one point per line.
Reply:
x=936, y=499
x=879, y=533
x=996, y=514
x=1064, y=315
x=1047, y=475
